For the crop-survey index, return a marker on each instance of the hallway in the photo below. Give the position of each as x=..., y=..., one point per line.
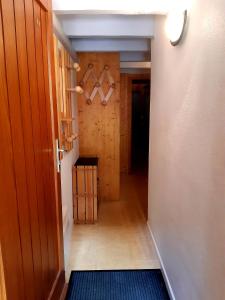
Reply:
x=120, y=239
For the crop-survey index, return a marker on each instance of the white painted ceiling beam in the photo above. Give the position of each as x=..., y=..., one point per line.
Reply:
x=135, y=71
x=111, y=6
x=111, y=45
x=107, y=26
x=135, y=56
x=58, y=31
x=135, y=65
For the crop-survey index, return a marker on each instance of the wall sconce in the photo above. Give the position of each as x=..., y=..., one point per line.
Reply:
x=78, y=89
x=175, y=26
x=76, y=67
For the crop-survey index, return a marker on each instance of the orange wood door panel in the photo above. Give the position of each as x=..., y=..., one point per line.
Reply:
x=9, y=225
x=12, y=76
x=28, y=207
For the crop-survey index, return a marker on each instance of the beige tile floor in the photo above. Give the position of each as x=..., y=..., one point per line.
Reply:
x=120, y=239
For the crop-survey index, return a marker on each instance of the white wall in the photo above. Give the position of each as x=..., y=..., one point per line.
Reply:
x=67, y=163
x=187, y=153
x=69, y=158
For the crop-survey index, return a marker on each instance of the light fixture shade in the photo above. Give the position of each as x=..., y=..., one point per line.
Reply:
x=175, y=25
x=76, y=67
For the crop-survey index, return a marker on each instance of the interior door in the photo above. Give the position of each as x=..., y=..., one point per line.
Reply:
x=29, y=202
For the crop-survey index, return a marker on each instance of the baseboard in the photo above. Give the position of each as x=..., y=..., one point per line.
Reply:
x=165, y=276
x=58, y=286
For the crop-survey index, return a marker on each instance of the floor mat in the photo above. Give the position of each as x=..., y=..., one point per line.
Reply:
x=117, y=285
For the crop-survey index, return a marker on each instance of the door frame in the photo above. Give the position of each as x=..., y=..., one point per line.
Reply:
x=128, y=102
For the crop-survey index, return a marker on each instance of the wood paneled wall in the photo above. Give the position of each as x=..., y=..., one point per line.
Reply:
x=28, y=209
x=99, y=125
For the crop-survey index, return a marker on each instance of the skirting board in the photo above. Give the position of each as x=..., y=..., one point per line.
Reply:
x=166, y=278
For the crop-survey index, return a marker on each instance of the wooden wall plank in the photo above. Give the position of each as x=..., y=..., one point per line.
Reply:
x=44, y=145
x=36, y=119
x=18, y=143
x=2, y=278
x=28, y=141
x=75, y=207
x=89, y=194
x=64, y=81
x=81, y=194
x=99, y=125
x=10, y=242
x=95, y=191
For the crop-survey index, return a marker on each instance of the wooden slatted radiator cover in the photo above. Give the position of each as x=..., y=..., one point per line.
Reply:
x=85, y=196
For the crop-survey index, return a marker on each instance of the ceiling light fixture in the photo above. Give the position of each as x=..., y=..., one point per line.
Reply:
x=175, y=26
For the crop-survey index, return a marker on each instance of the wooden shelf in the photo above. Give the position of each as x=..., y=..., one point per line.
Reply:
x=63, y=65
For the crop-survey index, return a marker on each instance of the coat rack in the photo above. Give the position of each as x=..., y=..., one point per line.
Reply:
x=105, y=74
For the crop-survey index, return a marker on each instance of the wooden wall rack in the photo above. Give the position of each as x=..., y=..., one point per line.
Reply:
x=64, y=68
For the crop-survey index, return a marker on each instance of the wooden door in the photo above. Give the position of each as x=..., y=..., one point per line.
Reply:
x=29, y=213
x=99, y=122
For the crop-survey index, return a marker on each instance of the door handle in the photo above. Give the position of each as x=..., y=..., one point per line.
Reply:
x=58, y=151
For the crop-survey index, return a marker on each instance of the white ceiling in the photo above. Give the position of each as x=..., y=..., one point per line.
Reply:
x=125, y=26
x=76, y=26
x=111, y=6
x=111, y=44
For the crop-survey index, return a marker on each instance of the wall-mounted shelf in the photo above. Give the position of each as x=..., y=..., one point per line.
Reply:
x=63, y=66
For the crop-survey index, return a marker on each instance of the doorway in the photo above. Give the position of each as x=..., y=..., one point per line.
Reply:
x=134, y=135
x=140, y=125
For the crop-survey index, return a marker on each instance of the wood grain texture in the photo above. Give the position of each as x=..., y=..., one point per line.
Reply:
x=89, y=194
x=81, y=203
x=14, y=91
x=85, y=194
x=99, y=133
x=10, y=242
x=95, y=192
x=2, y=278
x=44, y=145
x=63, y=76
x=28, y=222
x=75, y=212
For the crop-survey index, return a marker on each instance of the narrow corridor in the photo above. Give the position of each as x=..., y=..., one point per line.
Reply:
x=120, y=239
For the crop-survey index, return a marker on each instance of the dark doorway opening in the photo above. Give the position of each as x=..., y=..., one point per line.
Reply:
x=140, y=126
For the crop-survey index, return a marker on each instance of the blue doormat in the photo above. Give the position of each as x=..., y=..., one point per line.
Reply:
x=117, y=285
